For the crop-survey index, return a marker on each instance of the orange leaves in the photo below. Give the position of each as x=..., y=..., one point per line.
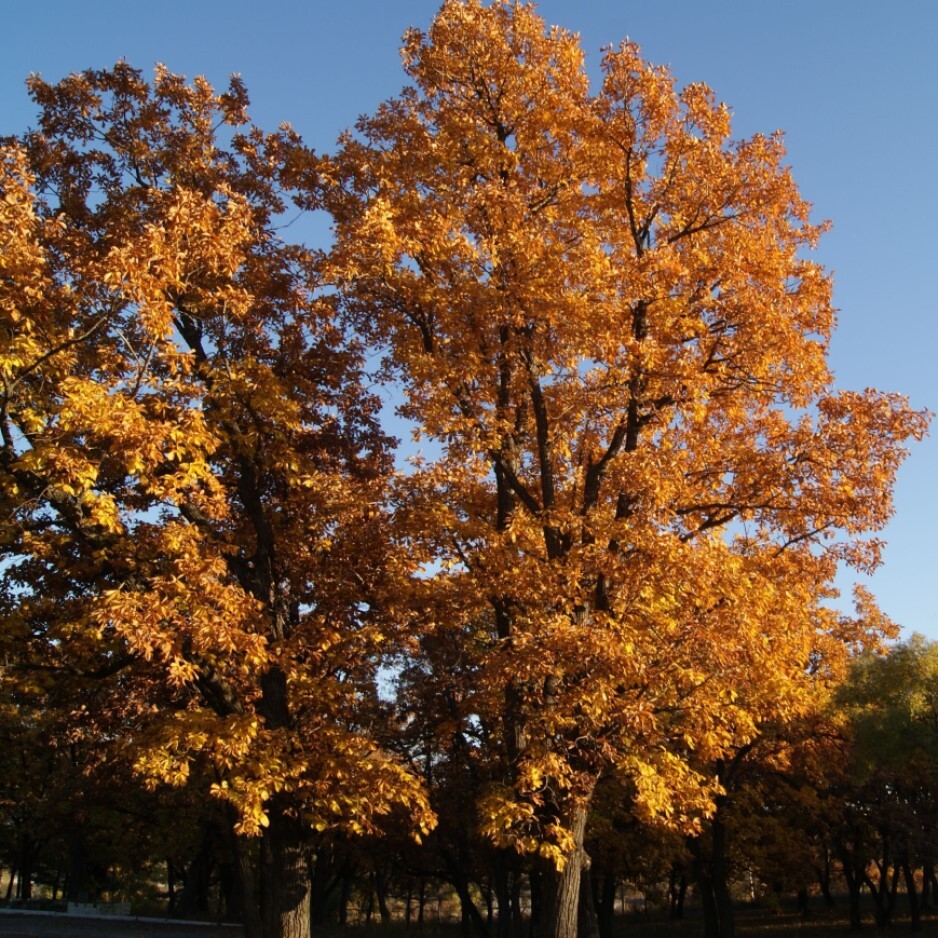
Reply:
x=599, y=305
x=188, y=254
x=193, y=472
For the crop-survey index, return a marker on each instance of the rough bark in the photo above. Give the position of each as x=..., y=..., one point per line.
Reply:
x=561, y=888
x=285, y=879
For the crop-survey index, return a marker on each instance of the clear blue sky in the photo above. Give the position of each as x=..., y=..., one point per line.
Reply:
x=854, y=83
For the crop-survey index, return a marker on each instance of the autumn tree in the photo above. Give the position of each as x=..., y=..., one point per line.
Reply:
x=602, y=308
x=192, y=472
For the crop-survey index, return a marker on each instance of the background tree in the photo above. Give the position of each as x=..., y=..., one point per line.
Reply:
x=192, y=472
x=892, y=704
x=601, y=306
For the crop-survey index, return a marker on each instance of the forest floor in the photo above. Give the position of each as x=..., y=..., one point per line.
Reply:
x=750, y=923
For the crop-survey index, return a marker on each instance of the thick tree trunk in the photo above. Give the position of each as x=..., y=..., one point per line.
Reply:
x=709, y=905
x=517, y=913
x=712, y=875
x=77, y=876
x=925, y=902
x=825, y=884
x=883, y=893
x=285, y=879
x=704, y=884
x=345, y=894
x=171, y=884
x=195, y=889
x=803, y=902
x=561, y=888
x=853, y=889
x=25, y=862
x=471, y=917
x=501, y=879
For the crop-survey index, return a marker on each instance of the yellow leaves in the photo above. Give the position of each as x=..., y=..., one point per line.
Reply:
x=514, y=823
x=188, y=256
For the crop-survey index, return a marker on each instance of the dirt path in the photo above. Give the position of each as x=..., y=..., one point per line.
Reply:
x=57, y=925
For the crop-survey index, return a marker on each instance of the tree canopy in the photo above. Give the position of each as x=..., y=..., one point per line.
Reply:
x=604, y=309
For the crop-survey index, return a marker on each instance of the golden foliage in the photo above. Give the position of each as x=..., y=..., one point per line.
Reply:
x=604, y=309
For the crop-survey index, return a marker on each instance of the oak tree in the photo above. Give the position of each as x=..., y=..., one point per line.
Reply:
x=192, y=470
x=602, y=307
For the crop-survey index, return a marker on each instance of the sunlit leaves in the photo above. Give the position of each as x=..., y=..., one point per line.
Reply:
x=193, y=474
x=603, y=308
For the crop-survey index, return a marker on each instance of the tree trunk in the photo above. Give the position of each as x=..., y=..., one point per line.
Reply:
x=285, y=880
x=502, y=893
x=928, y=871
x=244, y=896
x=607, y=905
x=77, y=866
x=704, y=885
x=677, y=891
x=825, y=883
x=803, y=902
x=587, y=920
x=381, y=891
x=345, y=893
x=561, y=888
x=854, y=884
x=883, y=893
x=27, y=852
x=915, y=909
x=721, y=879
x=517, y=914
x=171, y=885
x=471, y=917
x=709, y=905
x=196, y=886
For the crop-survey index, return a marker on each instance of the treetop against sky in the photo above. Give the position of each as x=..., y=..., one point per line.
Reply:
x=850, y=84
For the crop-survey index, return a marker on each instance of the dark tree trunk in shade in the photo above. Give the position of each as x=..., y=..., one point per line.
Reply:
x=605, y=889
x=721, y=878
x=677, y=891
x=587, y=919
x=915, y=908
x=245, y=896
x=381, y=892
